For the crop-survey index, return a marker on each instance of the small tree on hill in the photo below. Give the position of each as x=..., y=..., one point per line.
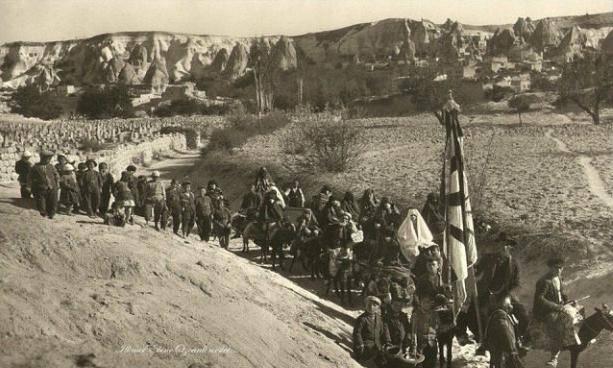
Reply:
x=521, y=104
x=587, y=81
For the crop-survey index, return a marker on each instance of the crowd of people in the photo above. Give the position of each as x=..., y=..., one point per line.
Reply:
x=407, y=300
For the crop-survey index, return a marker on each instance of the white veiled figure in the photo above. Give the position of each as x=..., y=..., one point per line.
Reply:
x=280, y=199
x=414, y=233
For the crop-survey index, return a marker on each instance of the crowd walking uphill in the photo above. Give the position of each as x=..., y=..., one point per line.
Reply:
x=360, y=248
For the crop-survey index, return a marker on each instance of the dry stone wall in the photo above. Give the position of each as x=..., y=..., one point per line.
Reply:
x=115, y=141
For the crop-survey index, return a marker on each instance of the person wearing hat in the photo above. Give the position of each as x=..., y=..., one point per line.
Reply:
x=107, y=187
x=428, y=287
x=61, y=162
x=44, y=180
x=188, y=209
x=319, y=203
x=204, y=211
x=370, y=333
x=500, y=334
x=91, y=184
x=155, y=200
x=173, y=203
x=69, y=189
x=214, y=192
x=549, y=301
x=222, y=223
x=398, y=321
x=500, y=275
x=334, y=223
x=22, y=168
x=133, y=184
x=294, y=195
x=123, y=195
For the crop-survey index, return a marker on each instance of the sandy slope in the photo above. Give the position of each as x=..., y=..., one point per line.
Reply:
x=133, y=297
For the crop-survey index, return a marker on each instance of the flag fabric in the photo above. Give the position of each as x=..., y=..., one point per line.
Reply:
x=459, y=241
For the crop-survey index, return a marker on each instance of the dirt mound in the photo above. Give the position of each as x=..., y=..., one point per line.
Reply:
x=76, y=292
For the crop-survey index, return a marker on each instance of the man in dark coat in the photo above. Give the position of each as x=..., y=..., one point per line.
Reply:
x=500, y=335
x=333, y=224
x=188, y=209
x=133, y=185
x=397, y=321
x=204, y=211
x=107, y=187
x=295, y=195
x=222, y=223
x=549, y=301
x=22, y=168
x=173, y=203
x=44, y=180
x=92, y=184
x=319, y=202
x=370, y=334
x=155, y=200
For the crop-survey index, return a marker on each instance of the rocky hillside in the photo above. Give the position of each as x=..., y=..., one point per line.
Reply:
x=159, y=58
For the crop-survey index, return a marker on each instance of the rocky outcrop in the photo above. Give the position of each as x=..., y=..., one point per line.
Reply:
x=523, y=29
x=284, y=55
x=501, y=42
x=219, y=62
x=451, y=41
x=607, y=44
x=237, y=62
x=157, y=75
x=407, y=51
x=545, y=35
x=128, y=75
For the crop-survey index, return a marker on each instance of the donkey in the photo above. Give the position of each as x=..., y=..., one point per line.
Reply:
x=591, y=327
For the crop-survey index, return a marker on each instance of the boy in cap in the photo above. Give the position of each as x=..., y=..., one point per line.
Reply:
x=155, y=200
x=370, y=334
x=133, y=183
x=107, y=187
x=188, y=208
x=45, y=183
x=69, y=189
x=22, y=168
x=92, y=184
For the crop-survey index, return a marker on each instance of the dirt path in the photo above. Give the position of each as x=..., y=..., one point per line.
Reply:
x=597, y=186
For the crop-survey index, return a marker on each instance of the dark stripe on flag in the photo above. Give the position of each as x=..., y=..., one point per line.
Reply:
x=457, y=233
x=454, y=199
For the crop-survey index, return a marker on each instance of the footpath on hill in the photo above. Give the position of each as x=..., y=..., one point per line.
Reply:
x=75, y=292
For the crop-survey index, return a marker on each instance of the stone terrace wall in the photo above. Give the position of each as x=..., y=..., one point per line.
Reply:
x=119, y=142
x=69, y=136
x=118, y=158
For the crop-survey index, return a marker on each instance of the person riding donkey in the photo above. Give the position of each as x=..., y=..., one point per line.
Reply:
x=270, y=214
x=553, y=309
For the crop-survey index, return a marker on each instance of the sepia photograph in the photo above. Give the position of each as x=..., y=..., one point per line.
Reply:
x=306, y=183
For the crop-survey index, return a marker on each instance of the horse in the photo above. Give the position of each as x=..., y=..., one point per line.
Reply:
x=308, y=253
x=283, y=236
x=255, y=231
x=601, y=319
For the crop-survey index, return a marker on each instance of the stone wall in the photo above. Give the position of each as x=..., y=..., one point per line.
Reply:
x=117, y=158
x=118, y=142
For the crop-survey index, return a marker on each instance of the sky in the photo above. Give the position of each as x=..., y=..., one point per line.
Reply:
x=49, y=20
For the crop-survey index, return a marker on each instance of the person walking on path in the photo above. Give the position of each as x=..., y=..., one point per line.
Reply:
x=44, y=180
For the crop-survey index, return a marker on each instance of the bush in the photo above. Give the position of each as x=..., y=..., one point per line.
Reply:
x=90, y=145
x=241, y=127
x=190, y=107
x=106, y=103
x=333, y=144
x=31, y=102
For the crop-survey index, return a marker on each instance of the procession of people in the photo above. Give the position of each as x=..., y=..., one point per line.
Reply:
x=353, y=244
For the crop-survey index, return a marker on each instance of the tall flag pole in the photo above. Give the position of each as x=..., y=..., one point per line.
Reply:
x=459, y=243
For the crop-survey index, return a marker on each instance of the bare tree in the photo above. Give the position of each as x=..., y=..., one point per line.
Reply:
x=587, y=81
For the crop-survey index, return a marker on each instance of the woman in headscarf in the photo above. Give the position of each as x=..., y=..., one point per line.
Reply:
x=349, y=205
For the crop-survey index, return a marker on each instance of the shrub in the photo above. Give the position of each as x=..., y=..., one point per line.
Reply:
x=31, y=102
x=90, y=145
x=106, y=103
x=333, y=143
x=241, y=127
